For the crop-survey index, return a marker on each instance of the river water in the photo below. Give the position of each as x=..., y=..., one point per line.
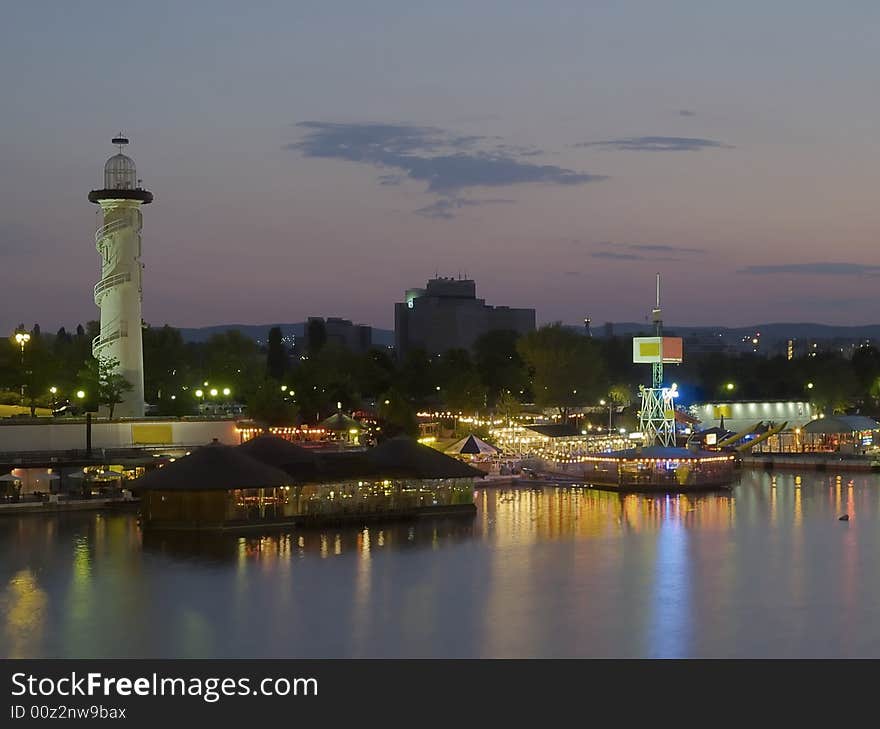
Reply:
x=767, y=570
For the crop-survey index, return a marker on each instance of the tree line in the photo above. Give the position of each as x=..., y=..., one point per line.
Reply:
x=553, y=367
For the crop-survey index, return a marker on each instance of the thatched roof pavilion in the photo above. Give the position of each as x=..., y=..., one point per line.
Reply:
x=213, y=468
x=403, y=457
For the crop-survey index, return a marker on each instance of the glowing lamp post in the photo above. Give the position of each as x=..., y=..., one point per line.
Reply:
x=22, y=338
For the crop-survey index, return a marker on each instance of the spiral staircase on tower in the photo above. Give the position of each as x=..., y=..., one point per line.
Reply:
x=117, y=327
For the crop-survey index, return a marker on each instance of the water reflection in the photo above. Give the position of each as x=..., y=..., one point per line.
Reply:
x=766, y=569
x=23, y=605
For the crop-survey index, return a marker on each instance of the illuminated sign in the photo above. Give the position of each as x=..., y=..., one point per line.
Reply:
x=657, y=349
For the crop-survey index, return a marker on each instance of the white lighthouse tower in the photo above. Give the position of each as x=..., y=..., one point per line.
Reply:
x=120, y=290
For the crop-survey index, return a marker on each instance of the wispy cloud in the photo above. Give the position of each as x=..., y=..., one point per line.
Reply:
x=390, y=179
x=617, y=256
x=656, y=247
x=829, y=303
x=657, y=144
x=447, y=162
x=815, y=269
x=644, y=251
x=444, y=209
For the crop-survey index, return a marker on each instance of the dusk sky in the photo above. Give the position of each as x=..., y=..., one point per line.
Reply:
x=318, y=158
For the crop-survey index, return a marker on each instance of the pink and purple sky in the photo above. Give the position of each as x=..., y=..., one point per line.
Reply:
x=318, y=158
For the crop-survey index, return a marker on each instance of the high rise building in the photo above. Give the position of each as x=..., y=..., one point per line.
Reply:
x=338, y=332
x=120, y=291
x=447, y=314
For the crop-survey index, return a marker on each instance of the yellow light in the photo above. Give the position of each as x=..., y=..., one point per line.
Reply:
x=729, y=385
x=199, y=393
x=80, y=394
x=213, y=392
x=226, y=391
x=53, y=389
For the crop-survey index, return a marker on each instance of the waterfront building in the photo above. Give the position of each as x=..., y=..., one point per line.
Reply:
x=218, y=487
x=658, y=468
x=740, y=415
x=845, y=434
x=53, y=456
x=120, y=291
x=447, y=314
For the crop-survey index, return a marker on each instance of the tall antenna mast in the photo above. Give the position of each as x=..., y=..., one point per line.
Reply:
x=657, y=318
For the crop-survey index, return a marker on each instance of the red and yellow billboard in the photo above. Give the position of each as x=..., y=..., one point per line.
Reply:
x=657, y=349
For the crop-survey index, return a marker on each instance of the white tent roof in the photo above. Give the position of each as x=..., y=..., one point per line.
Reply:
x=471, y=445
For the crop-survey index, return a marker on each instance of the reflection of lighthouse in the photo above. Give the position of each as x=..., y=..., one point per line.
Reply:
x=119, y=291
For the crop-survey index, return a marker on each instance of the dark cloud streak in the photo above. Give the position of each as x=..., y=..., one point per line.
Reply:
x=444, y=208
x=657, y=144
x=815, y=269
x=446, y=162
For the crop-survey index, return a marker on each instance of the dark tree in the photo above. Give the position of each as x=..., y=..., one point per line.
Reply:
x=316, y=335
x=499, y=364
x=567, y=368
x=276, y=357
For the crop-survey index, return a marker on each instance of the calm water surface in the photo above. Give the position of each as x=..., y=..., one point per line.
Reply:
x=765, y=571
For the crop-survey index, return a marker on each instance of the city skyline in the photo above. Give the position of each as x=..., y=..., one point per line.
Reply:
x=316, y=161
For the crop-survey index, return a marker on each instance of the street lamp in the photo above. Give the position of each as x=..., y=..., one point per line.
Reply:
x=729, y=386
x=54, y=391
x=226, y=391
x=22, y=338
x=610, y=405
x=80, y=394
x=809, y=385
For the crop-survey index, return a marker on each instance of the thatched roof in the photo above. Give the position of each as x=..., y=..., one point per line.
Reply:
x=276, y=451
x=842, y=424
x=403, y=457
x=212, y=468
x=661, y=453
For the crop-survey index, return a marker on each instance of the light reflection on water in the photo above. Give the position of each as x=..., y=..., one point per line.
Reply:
x=767, y=570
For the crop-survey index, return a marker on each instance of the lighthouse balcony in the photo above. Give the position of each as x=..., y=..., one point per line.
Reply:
x=105, y=284
x=143, y=196
x=103, y=340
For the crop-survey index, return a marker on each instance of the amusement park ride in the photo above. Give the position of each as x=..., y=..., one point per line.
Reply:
x=657, y=414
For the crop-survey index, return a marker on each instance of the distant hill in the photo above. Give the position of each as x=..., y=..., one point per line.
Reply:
x=769, y=332
x=772, y=331
x=259, y=332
